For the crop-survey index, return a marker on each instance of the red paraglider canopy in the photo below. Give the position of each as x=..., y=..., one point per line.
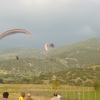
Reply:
x=46, y=46
x=13, y=31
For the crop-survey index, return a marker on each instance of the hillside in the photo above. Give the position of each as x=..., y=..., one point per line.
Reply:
x=22, y=53
x=35, y=63
x=91, y=45
x=74, y=76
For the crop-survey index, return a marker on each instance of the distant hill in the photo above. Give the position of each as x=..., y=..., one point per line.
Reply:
x=34, y=62
x=22, y=53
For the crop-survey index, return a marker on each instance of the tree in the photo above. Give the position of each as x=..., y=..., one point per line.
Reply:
x=88, y=83
x=25, y=80
x=55, y=85
x=96, y=83
x=1, y=80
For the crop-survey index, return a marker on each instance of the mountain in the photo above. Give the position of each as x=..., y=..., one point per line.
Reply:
x=91, y=44
x=35, y=63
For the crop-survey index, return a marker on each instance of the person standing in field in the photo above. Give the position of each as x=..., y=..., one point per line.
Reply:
x=28, y=97
x=22, y=96
x=5, y=96
x=59, y=96
x=55, y=97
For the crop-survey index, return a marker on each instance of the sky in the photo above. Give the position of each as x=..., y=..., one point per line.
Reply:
x=61, y=22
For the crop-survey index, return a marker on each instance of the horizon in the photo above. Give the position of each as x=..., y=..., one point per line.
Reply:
x=44, y=45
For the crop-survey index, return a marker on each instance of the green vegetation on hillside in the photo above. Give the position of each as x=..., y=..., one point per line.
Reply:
x=68, y=64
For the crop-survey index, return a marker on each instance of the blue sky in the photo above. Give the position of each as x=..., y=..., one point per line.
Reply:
x=61, y=22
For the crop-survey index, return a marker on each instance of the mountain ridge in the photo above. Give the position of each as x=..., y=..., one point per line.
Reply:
x=34, y=63
x=93, y=43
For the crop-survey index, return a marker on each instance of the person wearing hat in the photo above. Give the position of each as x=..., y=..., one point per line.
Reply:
x=28, y=97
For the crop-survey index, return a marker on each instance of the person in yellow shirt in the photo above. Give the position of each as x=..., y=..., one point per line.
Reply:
x=22, y=96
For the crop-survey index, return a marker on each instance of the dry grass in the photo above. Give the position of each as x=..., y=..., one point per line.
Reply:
x=15, y=90
x=45, y=92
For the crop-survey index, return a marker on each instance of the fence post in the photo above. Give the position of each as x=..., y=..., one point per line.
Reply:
x=88, y=93
x=78, y=95
x=83, y=92
x=66, y=92
x=95, y=95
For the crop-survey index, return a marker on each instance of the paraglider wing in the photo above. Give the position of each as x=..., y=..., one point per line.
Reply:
x=13, y=31
x=46, y=46
x=51, y=45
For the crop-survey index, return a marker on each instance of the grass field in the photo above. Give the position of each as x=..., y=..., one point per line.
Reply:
x=45, y=92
